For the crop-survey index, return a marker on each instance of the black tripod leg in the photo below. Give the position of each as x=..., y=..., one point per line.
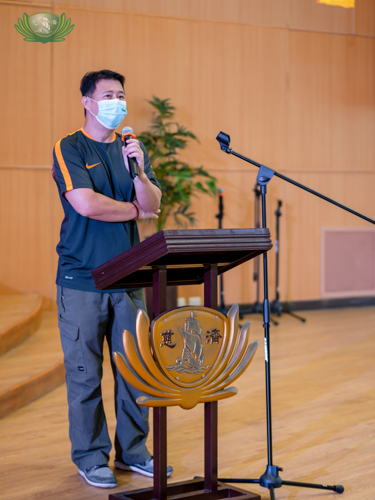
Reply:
x=278, y=309
x=336, y=487
x=273, y=321
x=236, y=480
x=272, y=493
x=296, y=316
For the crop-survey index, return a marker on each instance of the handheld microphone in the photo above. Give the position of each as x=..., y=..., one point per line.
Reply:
x=126, y=133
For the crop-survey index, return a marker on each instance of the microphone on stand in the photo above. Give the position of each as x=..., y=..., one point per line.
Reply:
x=126, y=133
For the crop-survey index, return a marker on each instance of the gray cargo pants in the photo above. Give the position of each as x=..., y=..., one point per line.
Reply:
x=85, y=319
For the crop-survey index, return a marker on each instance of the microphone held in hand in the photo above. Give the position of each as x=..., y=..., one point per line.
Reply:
x=126, y=133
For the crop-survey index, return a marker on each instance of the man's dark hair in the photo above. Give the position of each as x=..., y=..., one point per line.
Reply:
x=89, y=81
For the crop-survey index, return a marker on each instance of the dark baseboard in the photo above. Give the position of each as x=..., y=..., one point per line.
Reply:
x=312, y=305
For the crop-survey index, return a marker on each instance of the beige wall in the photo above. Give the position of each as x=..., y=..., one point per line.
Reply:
x=291, y=81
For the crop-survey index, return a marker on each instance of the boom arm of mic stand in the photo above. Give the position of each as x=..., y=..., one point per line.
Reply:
x=229, y=150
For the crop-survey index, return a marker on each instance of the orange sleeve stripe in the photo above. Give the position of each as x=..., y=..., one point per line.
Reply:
x=63, y=167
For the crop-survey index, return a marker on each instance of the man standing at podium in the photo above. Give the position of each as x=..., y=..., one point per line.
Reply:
x=101, y=204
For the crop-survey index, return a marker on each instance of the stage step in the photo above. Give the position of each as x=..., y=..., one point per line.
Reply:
x=20, y=317
x=33, y=368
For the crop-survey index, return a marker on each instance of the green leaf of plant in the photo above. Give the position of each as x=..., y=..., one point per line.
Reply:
x=179, y=181
x=211, y=183
x=200, y=186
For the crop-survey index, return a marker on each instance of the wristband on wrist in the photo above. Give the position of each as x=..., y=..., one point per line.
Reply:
x=136, y=217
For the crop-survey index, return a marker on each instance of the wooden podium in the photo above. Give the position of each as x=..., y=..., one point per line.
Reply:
x=183, y=257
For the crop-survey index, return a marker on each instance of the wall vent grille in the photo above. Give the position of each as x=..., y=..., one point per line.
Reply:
x=347, y=262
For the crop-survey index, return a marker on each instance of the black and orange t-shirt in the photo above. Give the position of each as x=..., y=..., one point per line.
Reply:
x=82, y=162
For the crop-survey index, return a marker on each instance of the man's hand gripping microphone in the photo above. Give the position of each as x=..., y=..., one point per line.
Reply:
x=126, y=133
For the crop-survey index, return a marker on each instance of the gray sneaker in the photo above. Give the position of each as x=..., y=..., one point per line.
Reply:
x=100, y=476
x=145, y=468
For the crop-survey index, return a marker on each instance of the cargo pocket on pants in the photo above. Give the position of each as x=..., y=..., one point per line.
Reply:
x=71, y=345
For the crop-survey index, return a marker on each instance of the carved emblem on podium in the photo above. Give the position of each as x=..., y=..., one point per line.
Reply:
x=190, y=355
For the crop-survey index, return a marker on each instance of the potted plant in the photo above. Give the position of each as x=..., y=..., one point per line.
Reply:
x=179, y=181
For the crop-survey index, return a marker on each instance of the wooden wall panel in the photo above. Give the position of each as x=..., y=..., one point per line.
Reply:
x=26, y=242
x=234, y=91
x=311, y=16
x=365, y=17
x=300, y=102
x=303, y=215
x=254, y=12
x=306, y=215
x=25, y=85
x=331, y=107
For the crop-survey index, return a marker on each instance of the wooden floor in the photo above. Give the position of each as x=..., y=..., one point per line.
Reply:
x=323, y=393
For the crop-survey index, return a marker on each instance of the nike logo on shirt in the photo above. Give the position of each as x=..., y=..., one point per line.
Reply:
x=90, y=166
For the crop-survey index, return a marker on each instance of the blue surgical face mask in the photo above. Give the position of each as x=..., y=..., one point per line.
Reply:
x=111, y=112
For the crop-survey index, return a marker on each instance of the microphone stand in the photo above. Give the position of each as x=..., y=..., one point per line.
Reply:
x=257, y=306
x=220, y=216
x=276, y=306
x=271, y=479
